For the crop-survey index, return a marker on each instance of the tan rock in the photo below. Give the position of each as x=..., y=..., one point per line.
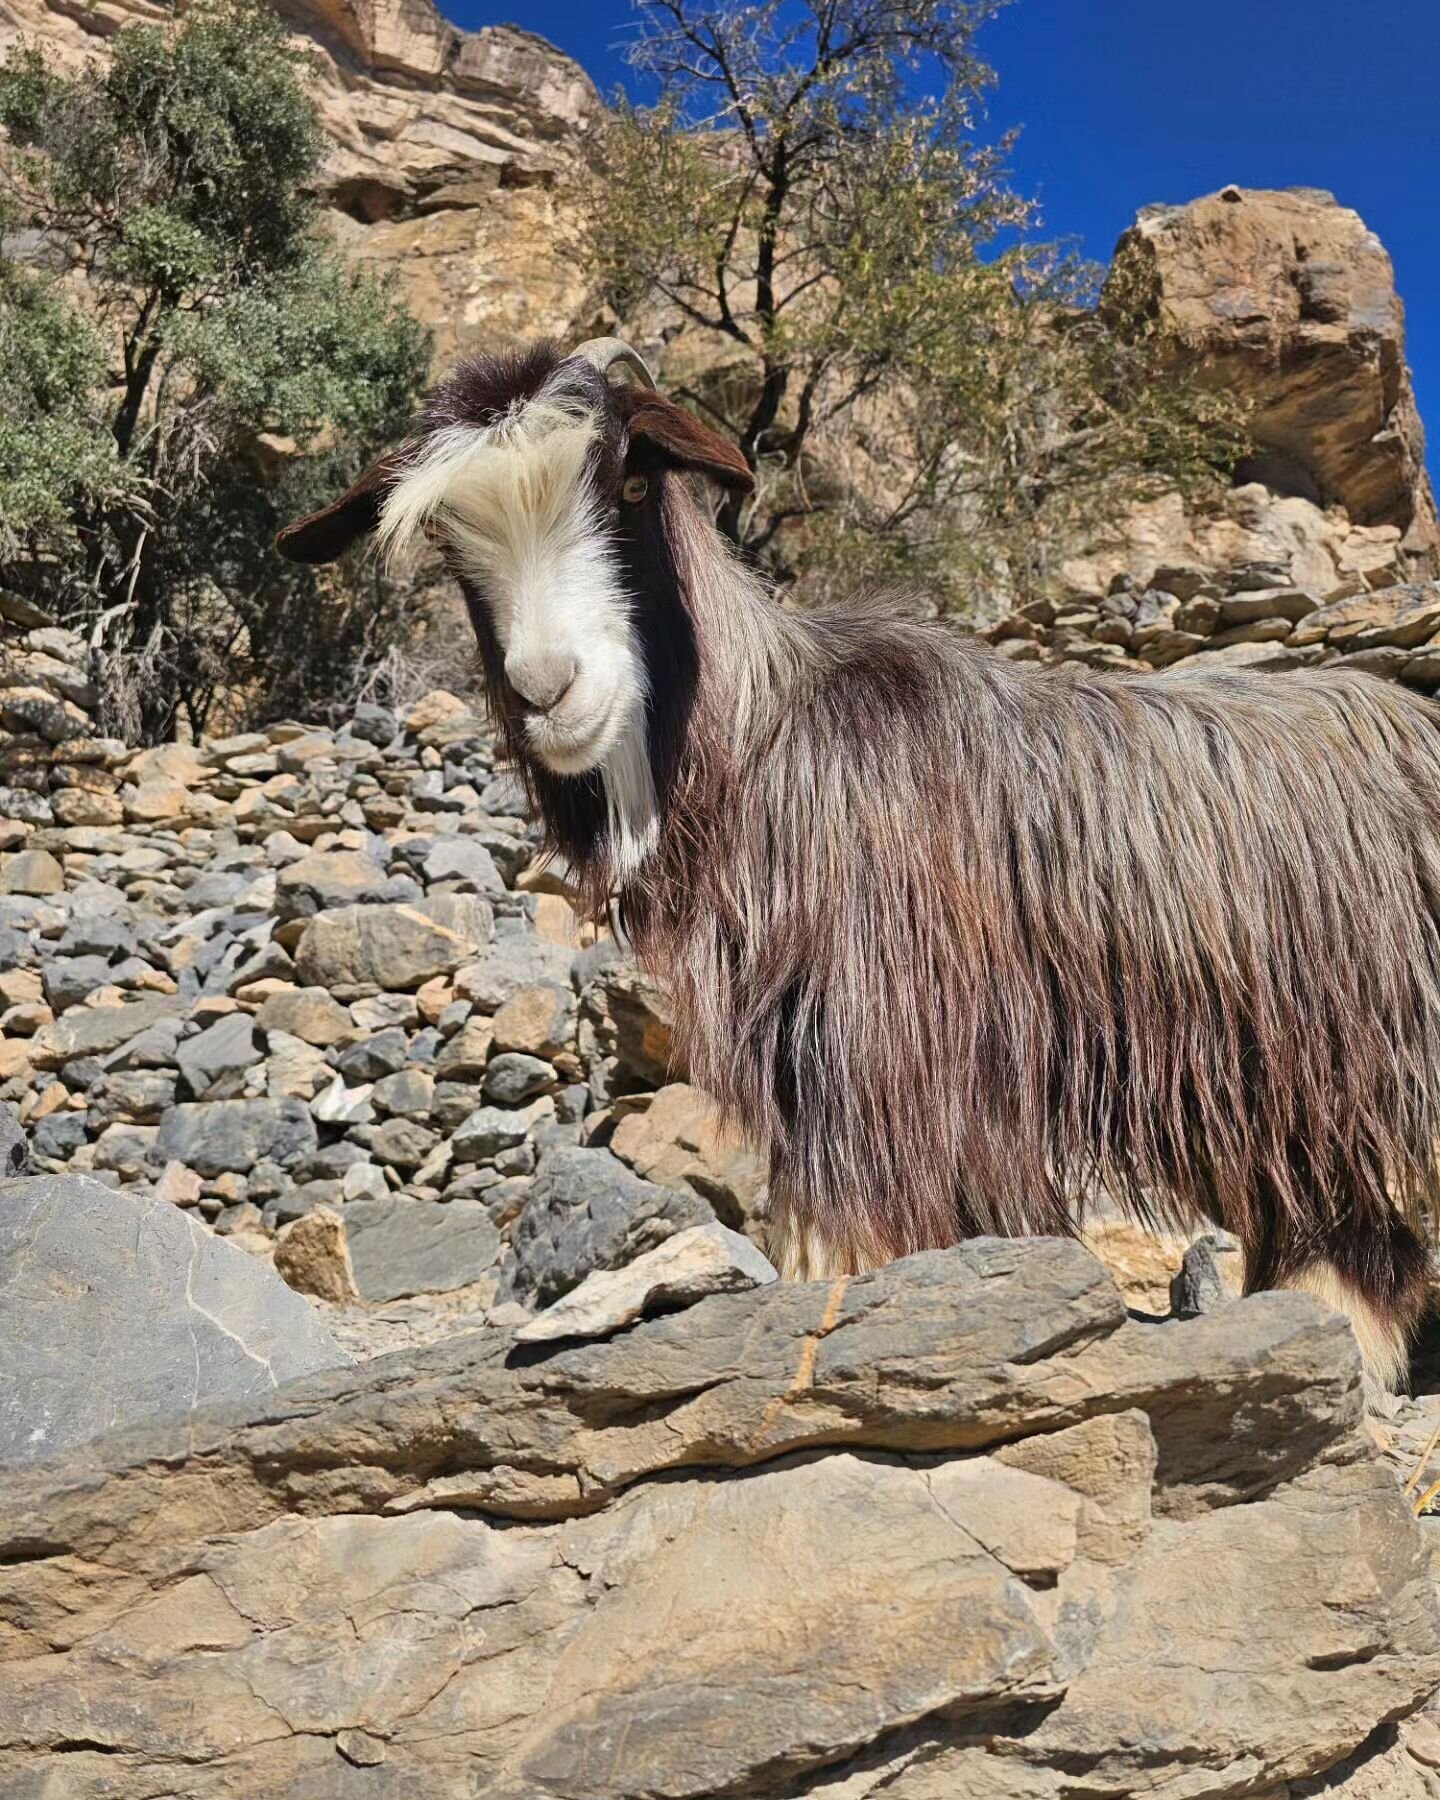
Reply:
x=34, y=872
x=679, y=1141
x=433, y=708
x=79, y=806
x=1290, y=299
x=308, y=1013
x=155, y=802
x=179, y=1185
x=539, y=1020
x=313, y=1257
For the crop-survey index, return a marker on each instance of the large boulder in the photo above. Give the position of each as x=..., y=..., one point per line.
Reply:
x=119, y=1307
x=1289, y=298
x=959, y=1527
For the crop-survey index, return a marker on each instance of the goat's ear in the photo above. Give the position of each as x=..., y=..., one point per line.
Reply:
x=323, y=536
x=682, y=441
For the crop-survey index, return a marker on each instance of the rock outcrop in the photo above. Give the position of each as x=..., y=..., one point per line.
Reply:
x=958, y=1527
x=454, y=154
x=1288, y=298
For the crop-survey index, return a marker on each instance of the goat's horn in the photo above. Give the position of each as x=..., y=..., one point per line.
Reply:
x=604, y=352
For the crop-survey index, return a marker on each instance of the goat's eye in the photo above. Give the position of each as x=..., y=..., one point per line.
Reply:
x=635, y=489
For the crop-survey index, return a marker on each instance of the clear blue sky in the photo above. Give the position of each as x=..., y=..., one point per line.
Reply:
x=1123, y=102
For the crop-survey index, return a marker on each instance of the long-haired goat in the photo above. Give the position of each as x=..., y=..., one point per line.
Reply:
x=961, y=941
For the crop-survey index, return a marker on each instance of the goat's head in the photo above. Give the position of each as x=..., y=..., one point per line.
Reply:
x=541, y=481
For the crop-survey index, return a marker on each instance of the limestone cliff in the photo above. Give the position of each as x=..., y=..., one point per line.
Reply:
x=454, y=152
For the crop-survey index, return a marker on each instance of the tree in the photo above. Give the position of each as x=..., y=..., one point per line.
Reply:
x=809, y=199
x=185, y=362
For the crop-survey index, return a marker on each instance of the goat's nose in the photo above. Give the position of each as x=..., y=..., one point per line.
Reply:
x=542, y=680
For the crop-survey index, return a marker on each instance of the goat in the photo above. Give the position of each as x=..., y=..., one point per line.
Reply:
x=963, y=942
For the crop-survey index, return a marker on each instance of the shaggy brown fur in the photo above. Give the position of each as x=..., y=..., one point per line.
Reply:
x=967, y=943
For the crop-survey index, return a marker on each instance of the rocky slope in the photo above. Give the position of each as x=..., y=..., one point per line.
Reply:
x=397, y=1399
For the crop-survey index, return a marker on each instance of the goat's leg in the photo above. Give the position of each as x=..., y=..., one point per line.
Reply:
x=804, y=1250
x=1373, y=1269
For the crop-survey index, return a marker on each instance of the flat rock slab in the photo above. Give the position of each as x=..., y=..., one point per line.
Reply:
x=117, y=1308
x=453, y=1572
x=692, y=1265
x=400, y=1247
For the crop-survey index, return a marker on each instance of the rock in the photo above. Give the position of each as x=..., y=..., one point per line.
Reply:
x=313, y=1257
x=409, y=1093
x=536, y=1021
x=382, y=1054
x=512, y=1078
x=1199, y=1284
x=1290, y=300
x=587, y=1211
x=14, y=1149
x=399, y=1247
x=435, y=708
x=706, y=1259
x=512, y=963
x=331, y=879
x=648, y=1525
x=32, y=872
x=97, y=1030
x=119, y=1309
x=464, y=863
x=221, y=1135
x=392, y=947
x=1401, y=616
x=678, y=1141
x=464, y=1056
x=223, y=1050
x=631, y=1021
x=400, y=1143
x=490, y=1129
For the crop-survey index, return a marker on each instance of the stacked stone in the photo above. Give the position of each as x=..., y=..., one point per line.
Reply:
x=1254, y=617
x=318, y=987
x=48, y=741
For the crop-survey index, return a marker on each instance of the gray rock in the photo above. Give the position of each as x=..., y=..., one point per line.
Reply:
x=213, y=1137
x=374, y=724
x=133, y=1096
x=587, y=1211
x=95, y=1030
x=14, y=1150
x=336, y=878
x=399, y=1246
x=68, y=979
x=402, y=1143
x=409, y=1093
x=490, y=1129
x=392, y=947
x=504, y=795
x=1198, y=1286
x=463, y=862
x=705, y=1260
x=228, y=1047
x=956, y=1477
x=119, y=1308
x=59, y=1136
x=513, y=962
x=375, y=1056
x=512, y=1077
x=98, y=934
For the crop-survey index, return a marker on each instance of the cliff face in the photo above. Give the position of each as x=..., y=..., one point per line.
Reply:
x=453, y=158
x=456, y=159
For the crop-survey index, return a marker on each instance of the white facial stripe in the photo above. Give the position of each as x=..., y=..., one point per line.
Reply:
x=515, y=502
